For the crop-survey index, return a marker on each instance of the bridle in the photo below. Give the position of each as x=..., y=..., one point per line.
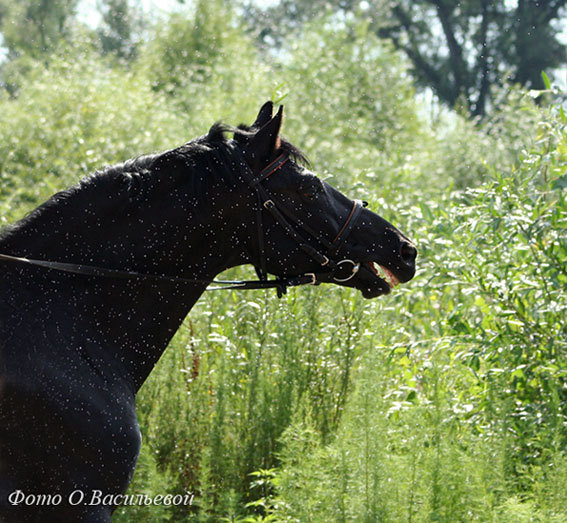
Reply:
x=331, y=270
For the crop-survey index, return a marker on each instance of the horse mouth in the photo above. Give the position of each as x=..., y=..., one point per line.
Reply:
x=384, y=274
x=378, y=281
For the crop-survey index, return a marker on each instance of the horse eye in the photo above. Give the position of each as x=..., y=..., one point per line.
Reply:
x=309, y=195
x=309, y=189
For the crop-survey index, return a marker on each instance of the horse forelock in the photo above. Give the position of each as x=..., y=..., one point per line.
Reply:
x=242, y=135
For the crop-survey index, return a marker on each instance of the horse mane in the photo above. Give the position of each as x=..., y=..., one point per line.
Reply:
x=130, y=182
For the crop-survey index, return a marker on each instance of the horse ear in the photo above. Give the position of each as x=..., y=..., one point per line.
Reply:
x=265, y=143
x=264, y=116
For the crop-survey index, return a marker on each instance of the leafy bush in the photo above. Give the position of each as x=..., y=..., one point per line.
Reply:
x=73, y=117
x=460, y=414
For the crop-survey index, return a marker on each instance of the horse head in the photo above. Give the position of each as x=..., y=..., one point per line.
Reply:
x=306, y=226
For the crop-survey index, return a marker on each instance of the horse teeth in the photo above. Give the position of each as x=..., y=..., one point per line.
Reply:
x=385, y=274
x=373, y=268
x=390, y=278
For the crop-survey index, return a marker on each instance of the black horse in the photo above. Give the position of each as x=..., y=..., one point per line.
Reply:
x=95, y=281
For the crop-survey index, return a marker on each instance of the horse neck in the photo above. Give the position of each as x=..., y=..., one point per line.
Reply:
x=134, y=319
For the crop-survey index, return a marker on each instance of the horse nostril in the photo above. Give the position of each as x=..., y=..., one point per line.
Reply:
x=408, y=253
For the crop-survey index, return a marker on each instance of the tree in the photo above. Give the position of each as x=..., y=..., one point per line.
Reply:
x=120, y=23
x=31, y=30
x=461, y=49
x=35, y=27
x=271, y=25
x=458, y=49
x=191, y=46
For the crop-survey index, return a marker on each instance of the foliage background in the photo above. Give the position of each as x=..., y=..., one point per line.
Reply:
x=444, y=401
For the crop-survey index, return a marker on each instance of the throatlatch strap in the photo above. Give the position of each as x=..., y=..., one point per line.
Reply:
x=261, y=270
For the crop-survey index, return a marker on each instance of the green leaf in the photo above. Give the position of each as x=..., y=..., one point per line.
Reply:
x=546, y=81
x=560, y=183
x=475, y=363
x=277, y=96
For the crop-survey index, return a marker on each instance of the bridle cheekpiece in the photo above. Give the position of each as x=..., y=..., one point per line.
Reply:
x=332, y=270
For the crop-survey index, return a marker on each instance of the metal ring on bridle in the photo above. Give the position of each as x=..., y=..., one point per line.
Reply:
x=355, y=267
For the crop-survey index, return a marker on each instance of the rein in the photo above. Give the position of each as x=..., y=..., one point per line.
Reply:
x=282, y=215
x=90, y=270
